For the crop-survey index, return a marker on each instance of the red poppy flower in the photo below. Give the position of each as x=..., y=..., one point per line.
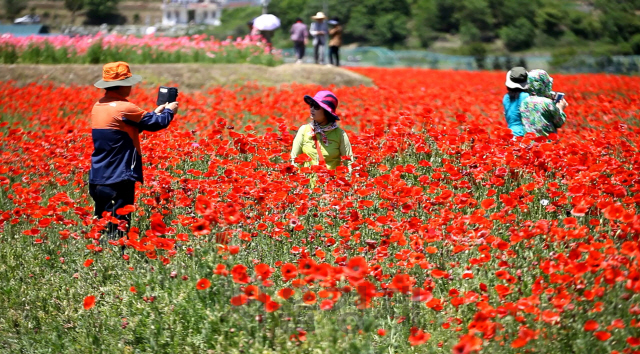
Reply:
x=239, y=274
x=602, y=336
x=271, y=306
x=633, y=341
x=356, y=268
x=263, y=271
x=326, y=304
x=550, y=316
x=203, y=284
x=239, y=300
x=467, y=344
x=309, y=298
x=289, y=271
x=200, y=227
x=203, y=205
x=590, y=325
x=418, y=337
x=252, y=291
x=127, y=209
x=89, y=302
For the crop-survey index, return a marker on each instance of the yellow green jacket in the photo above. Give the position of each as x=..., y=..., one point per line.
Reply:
x=338, y=145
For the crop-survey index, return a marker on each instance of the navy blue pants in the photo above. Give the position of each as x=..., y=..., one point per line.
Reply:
x=299, y=48
x=111, y=197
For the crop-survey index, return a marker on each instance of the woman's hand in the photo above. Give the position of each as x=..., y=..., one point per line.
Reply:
x=562, y=105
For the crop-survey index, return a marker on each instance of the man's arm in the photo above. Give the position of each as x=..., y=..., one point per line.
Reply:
x=150, y=121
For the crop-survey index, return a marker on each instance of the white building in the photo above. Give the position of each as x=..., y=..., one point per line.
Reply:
x=239, y=3
x=206, y=12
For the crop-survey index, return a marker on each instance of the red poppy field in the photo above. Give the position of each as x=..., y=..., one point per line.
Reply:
x=447, y=236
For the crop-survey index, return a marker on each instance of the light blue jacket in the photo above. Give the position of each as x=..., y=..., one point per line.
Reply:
x=512, y=113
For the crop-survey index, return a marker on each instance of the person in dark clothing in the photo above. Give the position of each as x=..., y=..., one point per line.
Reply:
x=299, y=35
x=335, y=41
x=116, y=161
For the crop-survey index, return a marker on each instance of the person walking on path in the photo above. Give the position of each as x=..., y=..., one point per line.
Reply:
x=335, y=41
x=299, y=35
x=541, y=114
x=516, y=93
x=322, y=139
x=116, y=161
x=319, y=31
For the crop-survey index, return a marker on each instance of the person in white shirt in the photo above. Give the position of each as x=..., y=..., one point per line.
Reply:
x=319, y=31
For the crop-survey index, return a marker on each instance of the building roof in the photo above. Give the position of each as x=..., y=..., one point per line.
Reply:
x=24, y=30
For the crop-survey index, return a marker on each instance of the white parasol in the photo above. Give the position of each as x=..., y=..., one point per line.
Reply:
x=267, y=22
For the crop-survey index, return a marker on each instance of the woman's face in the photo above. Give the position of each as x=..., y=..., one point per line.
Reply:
x=317, y=114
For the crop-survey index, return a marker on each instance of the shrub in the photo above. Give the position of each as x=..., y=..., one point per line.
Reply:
x=584, y=25
x=550, y=20
x=469, y=33
x=519, y=36
x=562, y=56
x=634, y=42
x=479, y=53
x=8, y=54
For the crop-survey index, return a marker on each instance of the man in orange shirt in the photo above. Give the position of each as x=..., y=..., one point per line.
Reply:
x=116, y=162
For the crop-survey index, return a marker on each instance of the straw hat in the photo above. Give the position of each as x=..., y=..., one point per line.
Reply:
x=319, y=16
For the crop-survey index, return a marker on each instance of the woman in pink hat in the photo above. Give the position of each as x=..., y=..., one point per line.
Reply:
x=322, y=139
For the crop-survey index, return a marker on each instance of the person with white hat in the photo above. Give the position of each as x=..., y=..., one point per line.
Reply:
x=318, y=31
x=516, y=93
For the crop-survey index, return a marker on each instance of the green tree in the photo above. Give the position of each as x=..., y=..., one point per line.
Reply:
x=620, y=26
x=103, y=11
x=476, y=13
x=470, y=33
x=519, y=36
x=423, y=21
x=444, y=19
x=380, y=22
x=479, y=53
x=635, y=44
x=584, y=25
x=287, y=11
x=550, y=20
x=13, y=8
x=74, y=6
x=507, y=12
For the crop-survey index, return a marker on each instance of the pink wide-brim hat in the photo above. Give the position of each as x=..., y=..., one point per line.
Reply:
x=325, y=99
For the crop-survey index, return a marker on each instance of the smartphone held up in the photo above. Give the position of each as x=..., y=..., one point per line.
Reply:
x=167, y=95
x=557, y=96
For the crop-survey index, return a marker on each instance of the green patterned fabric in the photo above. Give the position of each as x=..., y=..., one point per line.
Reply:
x=540, y=83
x=540, y=115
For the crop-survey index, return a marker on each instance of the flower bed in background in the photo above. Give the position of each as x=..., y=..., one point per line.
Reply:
x=135, y=50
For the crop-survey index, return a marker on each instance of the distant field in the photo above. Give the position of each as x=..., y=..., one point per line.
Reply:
x=58, y=15
x=189, y=76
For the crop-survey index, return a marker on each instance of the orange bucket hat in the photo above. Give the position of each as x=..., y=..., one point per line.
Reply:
x=117, y=74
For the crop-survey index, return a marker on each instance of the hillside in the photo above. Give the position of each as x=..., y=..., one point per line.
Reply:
x=600, y=27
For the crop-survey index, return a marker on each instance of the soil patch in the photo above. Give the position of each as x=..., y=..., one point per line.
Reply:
x=190, y=77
